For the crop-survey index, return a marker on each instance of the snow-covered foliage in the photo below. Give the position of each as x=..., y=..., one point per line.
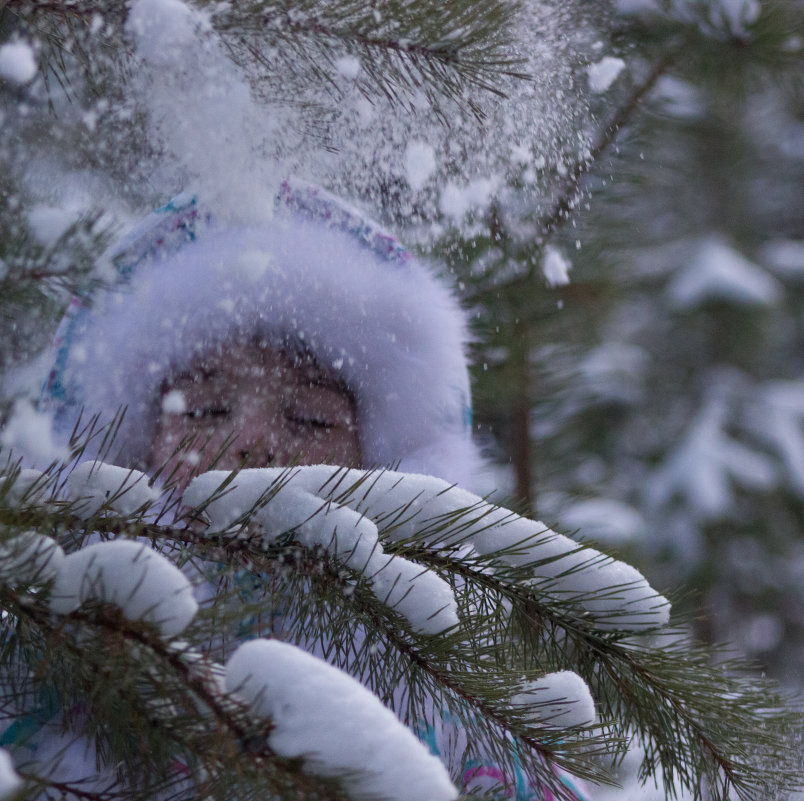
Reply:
x=143, y=583
x=422, y=597
x=717, y=272
x=705, y=465
x=604, y=520
x=27, y=485
x=336, y=725
x=314, y=503
x=94, y=485
x=776, y=415
x=785, y=256
x=717, y=18
x=668, y=383
x=30, y=558
x=558, y=699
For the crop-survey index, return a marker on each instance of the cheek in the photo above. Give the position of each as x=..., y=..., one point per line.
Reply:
x=339, y=446
x=166, y=436
x=196, y=443
x=260, y=427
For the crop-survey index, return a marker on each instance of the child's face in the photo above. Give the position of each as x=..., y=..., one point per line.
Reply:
x=280, y=409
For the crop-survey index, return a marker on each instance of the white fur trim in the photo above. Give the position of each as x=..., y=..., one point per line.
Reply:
x=389, y=329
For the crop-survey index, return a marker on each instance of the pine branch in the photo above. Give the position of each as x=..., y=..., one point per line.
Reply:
x=568, y=192
x=236, y=738
x=652, y=681
x=38, y=271
x=692, y=720
x=454, y=52
x=334, y=600
x=69, y=789
x=646, y=687
x=443, y=49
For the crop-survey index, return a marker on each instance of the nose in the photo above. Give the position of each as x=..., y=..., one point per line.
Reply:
x=260, y=458
x=256, y=444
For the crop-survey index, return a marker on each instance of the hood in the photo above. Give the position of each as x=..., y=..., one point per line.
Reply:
x=318, y=272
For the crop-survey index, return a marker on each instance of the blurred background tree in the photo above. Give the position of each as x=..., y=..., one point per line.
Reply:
x=656, y=401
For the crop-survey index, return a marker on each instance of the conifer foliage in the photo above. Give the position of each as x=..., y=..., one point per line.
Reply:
x=246, y=637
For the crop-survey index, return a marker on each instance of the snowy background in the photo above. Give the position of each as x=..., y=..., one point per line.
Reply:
x=640, y=355
x=639, y=371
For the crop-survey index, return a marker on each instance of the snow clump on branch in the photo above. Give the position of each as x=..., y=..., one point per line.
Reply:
x=408, y=505
x=560, y=700
x=94, y=485
x=335, y=724
x=423, y=598
x=30, y=558
x=27, y=486
x=144, y=584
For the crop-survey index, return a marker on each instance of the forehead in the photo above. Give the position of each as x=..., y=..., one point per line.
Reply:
x=241, y=360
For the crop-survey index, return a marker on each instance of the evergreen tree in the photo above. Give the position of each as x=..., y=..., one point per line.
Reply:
x=657, y=383
x=509, y=636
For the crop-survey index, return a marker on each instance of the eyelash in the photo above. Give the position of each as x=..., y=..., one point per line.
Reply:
x=212, y=411
x=310, y=422
x=225, y=411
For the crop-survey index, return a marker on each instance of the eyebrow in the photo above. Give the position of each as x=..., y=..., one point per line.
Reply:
x=191, y=375
x=321, y=378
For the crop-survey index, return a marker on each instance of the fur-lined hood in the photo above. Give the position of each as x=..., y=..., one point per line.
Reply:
x=318, y=272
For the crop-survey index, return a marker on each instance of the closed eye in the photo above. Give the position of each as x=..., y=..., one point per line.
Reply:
x=309, y=422
x=209, y=411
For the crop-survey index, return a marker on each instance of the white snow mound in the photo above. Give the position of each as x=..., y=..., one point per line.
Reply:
x=405, y=505
x=423, y=598
x=30, y=558
x=29, y=486
x=335, y=724
x=560, y=700
x=95, y=484
x=143, y=583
